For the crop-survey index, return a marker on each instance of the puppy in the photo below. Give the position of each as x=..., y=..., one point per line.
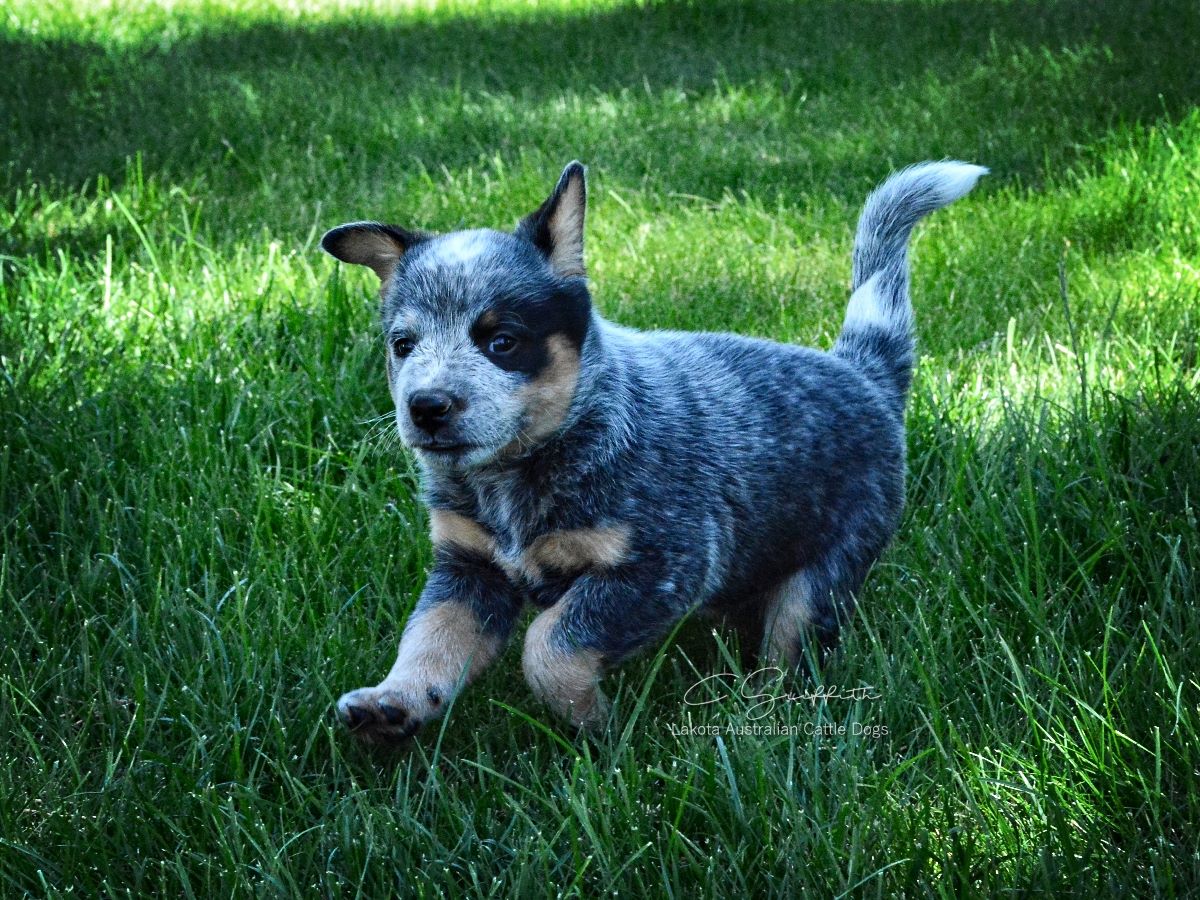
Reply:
x=618, y=480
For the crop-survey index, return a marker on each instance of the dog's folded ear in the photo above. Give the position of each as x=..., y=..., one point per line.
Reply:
x=556, y=227
x=371, y=244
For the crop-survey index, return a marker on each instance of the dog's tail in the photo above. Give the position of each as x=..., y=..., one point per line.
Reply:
x=878, y=332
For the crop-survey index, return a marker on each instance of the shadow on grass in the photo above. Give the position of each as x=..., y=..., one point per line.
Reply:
x=694, y=98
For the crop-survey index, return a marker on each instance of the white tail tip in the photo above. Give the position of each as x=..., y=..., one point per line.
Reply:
x=953, y=179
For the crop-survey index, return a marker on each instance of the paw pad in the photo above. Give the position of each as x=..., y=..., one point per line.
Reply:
x=377, y=716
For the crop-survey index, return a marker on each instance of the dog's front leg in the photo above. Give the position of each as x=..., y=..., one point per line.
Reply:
x=600, y=621
x=459, y=625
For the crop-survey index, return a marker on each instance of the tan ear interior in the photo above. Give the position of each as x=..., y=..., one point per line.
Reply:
x=566, y=228
x=365, y=245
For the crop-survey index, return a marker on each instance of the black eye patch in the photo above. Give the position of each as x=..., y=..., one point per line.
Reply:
x=509, y=345
x=530, y=321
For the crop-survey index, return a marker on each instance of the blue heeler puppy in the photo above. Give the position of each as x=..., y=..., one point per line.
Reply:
x=618, y=480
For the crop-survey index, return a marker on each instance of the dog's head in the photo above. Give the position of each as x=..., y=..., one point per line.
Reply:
x=484, y=329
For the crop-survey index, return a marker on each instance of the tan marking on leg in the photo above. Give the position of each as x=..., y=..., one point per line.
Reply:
x=448, y=527
x=565, y=680
x=789, y=614
x=548, y=397
x=442, y=642
x=578, y=549
x=443, y=648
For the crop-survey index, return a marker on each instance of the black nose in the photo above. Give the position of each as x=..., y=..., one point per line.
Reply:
x=430, y=410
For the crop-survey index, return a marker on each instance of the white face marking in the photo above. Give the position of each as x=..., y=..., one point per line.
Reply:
x=458, y=249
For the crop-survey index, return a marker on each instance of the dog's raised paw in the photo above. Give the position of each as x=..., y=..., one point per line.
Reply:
x=377, y=715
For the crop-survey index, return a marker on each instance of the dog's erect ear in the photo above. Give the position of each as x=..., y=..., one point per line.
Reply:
x=556, y=228
x=370, y=244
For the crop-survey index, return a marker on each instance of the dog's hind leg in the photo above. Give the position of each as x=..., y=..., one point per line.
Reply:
x=802, y=615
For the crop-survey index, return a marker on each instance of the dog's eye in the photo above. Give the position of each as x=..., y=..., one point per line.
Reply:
x=403, y=346
x=502, y=343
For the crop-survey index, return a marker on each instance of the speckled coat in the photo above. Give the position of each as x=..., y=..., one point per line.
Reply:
x=619, y=480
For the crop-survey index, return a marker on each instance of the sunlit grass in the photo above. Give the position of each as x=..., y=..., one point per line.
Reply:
x=209, y=532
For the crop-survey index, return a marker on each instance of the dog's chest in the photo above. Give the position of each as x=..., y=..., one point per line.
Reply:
x=512, y=513
x=536, y=543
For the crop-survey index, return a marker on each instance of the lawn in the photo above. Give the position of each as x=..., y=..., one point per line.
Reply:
x=208, y=530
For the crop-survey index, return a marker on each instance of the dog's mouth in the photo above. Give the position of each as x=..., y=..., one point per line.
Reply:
x=443, y=448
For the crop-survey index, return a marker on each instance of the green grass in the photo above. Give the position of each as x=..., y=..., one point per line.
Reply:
x=207, y=534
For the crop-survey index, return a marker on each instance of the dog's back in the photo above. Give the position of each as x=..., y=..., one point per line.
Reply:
x=784, y=465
